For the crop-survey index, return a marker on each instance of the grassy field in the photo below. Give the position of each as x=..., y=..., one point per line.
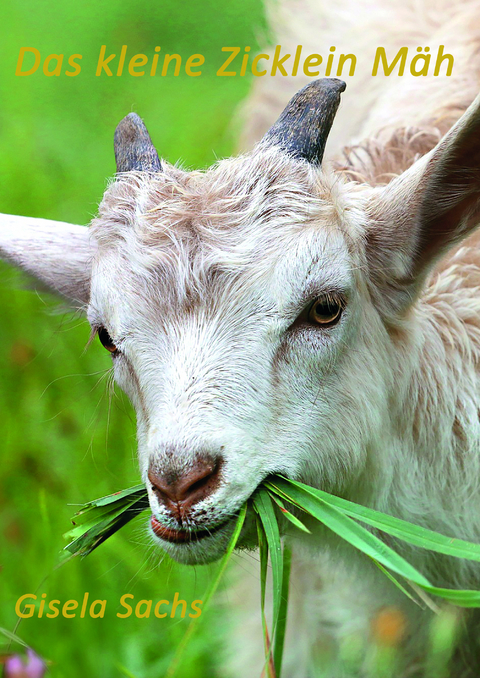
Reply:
x=65, y=437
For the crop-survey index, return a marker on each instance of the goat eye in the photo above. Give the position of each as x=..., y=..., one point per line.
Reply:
x=106, y=340
x=325, y=312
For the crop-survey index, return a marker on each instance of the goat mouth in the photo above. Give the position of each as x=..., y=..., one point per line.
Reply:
x=181, y=536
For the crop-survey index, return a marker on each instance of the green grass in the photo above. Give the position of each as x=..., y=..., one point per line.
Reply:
x=99, y=519
x=64, y=438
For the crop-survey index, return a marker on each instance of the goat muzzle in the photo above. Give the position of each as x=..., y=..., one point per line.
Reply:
x=179, y=492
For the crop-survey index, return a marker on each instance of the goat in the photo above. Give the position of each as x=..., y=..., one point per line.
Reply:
x=279, y=314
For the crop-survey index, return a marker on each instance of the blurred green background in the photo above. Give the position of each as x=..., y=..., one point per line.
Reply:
x=64, y=437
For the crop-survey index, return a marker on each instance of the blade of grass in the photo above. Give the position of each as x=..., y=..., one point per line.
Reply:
x=412, y=534
x=293, y=519
x=355, y=534
x=264, y=507
x=283, y=612
x=99, y=519
x=194, y=624
x=81, y=521
x=424, y=597
x=344, y=526
x=395, y=581
x=89, y=536
x=95, y=518
x=263, y=549
x=462, y=598
x=13, y=638
x=269, y=667
x=137, y=491
x=125, y=671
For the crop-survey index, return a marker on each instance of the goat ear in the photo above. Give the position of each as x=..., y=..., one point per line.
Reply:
x=56, y=254
x=424, y=212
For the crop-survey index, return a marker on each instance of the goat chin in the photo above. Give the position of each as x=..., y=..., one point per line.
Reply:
x=212, y=547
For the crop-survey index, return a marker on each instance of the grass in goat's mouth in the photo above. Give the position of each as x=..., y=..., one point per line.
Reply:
x=101, y=518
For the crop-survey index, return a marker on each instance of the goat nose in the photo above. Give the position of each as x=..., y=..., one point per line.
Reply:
x=179, y=491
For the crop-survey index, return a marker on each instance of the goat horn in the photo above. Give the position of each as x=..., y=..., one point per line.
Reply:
x=303, y=127
x=133, y=147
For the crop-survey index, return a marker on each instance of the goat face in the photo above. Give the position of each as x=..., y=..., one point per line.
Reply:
x=231, y=300
x=261, y=314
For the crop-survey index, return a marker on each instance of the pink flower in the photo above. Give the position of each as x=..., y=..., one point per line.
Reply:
x=16, y=667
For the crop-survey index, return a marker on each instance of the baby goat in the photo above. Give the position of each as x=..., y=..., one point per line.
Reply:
x=274, y=314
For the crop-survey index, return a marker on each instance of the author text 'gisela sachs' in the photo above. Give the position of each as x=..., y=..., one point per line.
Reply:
x=31, y=605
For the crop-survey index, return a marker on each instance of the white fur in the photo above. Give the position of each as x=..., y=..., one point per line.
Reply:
x=57, y=254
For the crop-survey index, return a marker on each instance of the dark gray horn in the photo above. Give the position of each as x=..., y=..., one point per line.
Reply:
x=133, y=147
x=303, y=127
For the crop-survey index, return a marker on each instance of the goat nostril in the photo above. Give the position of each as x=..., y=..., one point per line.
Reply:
x=201, y=482
x=180, y=491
